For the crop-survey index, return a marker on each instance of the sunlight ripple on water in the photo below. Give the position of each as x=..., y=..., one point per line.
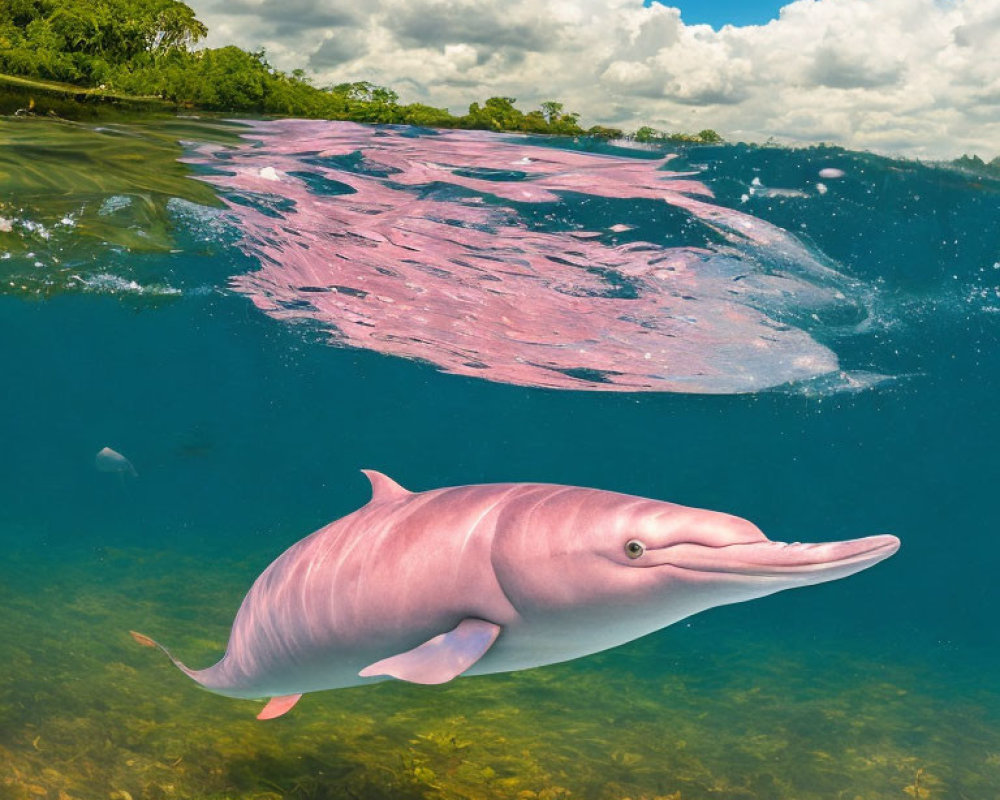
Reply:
x=428, y=246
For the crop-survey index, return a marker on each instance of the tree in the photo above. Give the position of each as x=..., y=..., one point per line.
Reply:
x=426, y=116
x=566, y=124
x=503, y=114
x=535, y=122
x=601, y=132
x=78, y=40
x=497, y=113
x=551, y=110
x=144, y=47
x=229, y=78
x=646, y=134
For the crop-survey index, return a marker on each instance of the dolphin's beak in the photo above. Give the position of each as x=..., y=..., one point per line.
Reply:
x=795, y=563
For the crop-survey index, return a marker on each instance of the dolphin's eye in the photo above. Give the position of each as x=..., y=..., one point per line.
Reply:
x=634, y=548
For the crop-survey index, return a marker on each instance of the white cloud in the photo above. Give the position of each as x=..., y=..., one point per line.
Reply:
x=914, y=77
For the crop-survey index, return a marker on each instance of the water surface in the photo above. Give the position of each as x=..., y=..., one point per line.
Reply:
x=142, y=269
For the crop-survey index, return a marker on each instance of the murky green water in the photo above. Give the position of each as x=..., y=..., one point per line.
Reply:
x=248, y=432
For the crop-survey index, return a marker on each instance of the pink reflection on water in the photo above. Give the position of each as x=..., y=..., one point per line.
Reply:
x=458, y=279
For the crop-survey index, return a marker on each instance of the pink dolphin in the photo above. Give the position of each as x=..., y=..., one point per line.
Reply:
x=426, y=586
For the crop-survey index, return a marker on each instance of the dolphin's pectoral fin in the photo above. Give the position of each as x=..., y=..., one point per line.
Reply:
x=277, y=706
x=442, y=658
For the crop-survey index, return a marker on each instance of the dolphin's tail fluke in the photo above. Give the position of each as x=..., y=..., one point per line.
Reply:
x=146, y=641
x=278, y=704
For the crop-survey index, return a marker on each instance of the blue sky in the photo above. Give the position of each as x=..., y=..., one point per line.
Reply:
x=722, y=12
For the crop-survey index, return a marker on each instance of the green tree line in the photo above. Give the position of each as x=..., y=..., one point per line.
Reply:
x=976, y=164
x=648, y=135
x=145, y=48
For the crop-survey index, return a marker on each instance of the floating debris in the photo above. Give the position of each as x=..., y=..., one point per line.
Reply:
x=108, y=460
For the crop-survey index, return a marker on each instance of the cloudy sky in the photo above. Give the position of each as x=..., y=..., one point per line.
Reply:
x=908, y=77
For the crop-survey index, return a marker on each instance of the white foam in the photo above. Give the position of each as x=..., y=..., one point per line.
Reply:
x=106, y=283
x=114, y=203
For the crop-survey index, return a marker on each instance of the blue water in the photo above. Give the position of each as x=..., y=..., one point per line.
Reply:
x=248, y=433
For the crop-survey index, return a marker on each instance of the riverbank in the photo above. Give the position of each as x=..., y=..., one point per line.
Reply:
x=49, y=98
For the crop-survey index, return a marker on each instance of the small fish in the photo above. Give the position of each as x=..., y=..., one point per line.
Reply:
x=777, y=191
x=758, y=189
x=108, y=460
x=831, y=173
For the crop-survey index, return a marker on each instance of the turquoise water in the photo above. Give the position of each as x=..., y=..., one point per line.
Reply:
x=248, y=432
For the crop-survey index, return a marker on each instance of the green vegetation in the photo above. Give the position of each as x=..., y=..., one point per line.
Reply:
x=92, y=42
x=709, y=714
x=126, y=49
x=976, y=164
x=648, y=135
x=51, y=98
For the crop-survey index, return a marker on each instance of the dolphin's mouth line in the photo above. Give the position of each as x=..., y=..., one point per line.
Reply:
x=777, y=570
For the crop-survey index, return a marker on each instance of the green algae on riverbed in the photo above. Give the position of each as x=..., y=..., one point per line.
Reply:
x=699, y=712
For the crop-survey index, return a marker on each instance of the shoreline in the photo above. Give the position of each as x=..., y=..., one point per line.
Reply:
x=67, y=101
x=21, y=96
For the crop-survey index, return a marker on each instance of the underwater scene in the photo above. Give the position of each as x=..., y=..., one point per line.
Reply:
x=212, y=326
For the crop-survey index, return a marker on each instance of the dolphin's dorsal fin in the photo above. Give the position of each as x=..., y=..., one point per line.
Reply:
x=442, y=658
x=384, y=487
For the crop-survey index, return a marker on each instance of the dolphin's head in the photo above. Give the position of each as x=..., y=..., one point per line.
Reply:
x=638, y=565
